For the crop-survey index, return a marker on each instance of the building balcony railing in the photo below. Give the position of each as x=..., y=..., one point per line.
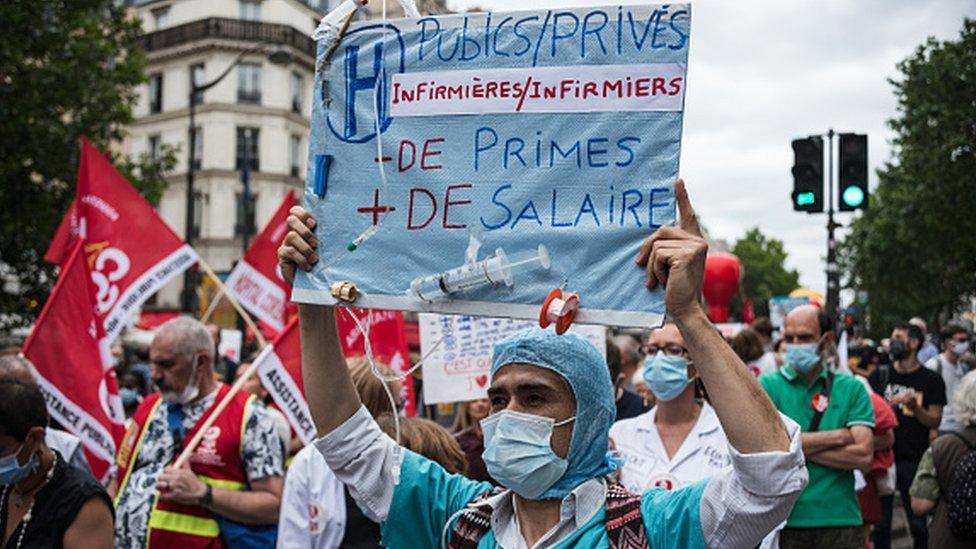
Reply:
x=228, y=29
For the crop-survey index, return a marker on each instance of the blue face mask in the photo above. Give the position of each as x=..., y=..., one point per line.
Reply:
x=12, y=472
x=518, y=453
x=802, y=357
x=666, y=376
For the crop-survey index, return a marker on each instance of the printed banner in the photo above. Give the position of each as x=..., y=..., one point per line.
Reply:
x=460, y=350
x=517, y=152
x=130, y=250
x=280, y=370
x=256, y=281
x=70, y=357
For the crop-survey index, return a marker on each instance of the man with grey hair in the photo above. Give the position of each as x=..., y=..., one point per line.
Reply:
x=233, y=477
x=18, y=368
x=937, y=469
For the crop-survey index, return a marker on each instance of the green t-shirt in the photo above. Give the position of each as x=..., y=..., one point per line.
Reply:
x=829, y=498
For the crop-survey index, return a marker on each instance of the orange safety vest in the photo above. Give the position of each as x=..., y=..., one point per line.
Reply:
x=216, y=461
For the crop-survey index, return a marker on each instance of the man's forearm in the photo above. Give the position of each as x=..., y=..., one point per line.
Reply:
x=748, y=417
x=885, y=441
x=929, y=416
x=819, y=441
x=848, y=457
x=248, y=507
x=331, y=395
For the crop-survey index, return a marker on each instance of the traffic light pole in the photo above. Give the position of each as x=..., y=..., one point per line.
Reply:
x=833, y=272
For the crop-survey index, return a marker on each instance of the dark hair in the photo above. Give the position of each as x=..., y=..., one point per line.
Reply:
x=763, y=326
x=914, y=332
x=21, y=409
x=613, y=360
x=747, y=345
x=823, y=319
x=950, y=330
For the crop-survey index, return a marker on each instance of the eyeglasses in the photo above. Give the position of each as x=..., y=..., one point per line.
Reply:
x=668, y=350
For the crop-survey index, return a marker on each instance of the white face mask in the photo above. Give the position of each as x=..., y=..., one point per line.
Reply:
x=961, y=348
x=189, y=393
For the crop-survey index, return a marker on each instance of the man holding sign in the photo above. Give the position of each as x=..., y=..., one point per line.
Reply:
x=546, y=439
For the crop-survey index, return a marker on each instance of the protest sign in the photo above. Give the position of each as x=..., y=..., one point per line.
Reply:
x=518, y=152
x=131, y=251
x=256, y=281
x=71, y=360
x=460, y=347
x=780, y=306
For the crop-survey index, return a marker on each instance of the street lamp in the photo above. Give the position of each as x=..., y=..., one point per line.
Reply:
x=278, y=56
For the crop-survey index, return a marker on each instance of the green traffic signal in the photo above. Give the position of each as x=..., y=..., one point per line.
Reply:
x=805, y=199
x=853, y=196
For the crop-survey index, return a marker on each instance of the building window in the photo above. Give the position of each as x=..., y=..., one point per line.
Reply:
x=296, y=92
x=247, y=148
x=197, y=76
x=197, y=147
x=250, y=10
x=295, y=154
x=160, y=18
x=244, y=226
x=249, y=83
x=153, y=146
x=155, y=93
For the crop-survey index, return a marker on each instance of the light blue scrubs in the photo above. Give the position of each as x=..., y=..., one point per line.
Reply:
x=428, y=496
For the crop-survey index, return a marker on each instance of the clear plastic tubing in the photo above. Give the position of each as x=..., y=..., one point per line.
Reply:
x=496, y=269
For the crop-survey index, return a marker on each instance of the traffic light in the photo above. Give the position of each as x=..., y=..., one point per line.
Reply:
x=808, y=174
x=853, y=172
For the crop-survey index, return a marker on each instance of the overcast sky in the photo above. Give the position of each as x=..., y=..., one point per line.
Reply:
x=763, y=73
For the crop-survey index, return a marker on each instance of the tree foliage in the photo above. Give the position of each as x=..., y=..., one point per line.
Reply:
x=914, y=250
x=765, y=273
x=68, y=68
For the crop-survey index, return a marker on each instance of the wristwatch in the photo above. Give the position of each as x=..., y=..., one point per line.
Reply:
x=206, y=500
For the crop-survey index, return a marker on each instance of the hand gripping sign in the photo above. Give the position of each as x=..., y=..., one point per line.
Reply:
x=517, y=153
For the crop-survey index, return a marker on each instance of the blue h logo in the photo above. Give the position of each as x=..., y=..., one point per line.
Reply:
x=361, y=84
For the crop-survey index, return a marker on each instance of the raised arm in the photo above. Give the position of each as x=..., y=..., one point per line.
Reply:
x=675, y=257
x=331, y=395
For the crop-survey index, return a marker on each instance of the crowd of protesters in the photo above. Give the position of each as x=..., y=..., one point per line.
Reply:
x=679, y=438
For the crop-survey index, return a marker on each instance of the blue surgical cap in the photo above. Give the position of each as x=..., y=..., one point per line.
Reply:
x=578, y=361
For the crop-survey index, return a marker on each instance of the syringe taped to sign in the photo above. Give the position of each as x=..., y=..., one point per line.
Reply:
x=518, y=153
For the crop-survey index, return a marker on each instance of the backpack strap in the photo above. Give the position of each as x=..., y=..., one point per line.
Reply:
x=473, y=523
x=624, y=522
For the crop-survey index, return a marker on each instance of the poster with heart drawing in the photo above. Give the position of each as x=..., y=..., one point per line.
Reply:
x=458, y=350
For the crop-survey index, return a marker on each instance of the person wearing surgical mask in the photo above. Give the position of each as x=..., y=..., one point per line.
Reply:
x=917, y=395
x=952, y=366
x=546, y=437
x=837, y=419
x=233, y=476
x=44, y=500
x=680, y=440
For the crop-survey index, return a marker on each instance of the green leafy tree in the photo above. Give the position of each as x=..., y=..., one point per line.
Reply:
x=765, y=273
x=913, y=250
x=68, y=68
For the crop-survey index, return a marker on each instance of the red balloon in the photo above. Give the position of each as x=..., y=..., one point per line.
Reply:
x=723, y=273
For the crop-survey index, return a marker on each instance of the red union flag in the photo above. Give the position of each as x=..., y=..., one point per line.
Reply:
x=256, y=281
x=70, y=359
x=130, y=251
x=280, y=368
x=280, y=364
x=387, y=341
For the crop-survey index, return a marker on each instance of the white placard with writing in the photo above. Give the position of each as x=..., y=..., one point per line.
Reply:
x=457, y=370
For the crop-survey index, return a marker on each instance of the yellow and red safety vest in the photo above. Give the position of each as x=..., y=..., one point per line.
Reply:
x=216, y=461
